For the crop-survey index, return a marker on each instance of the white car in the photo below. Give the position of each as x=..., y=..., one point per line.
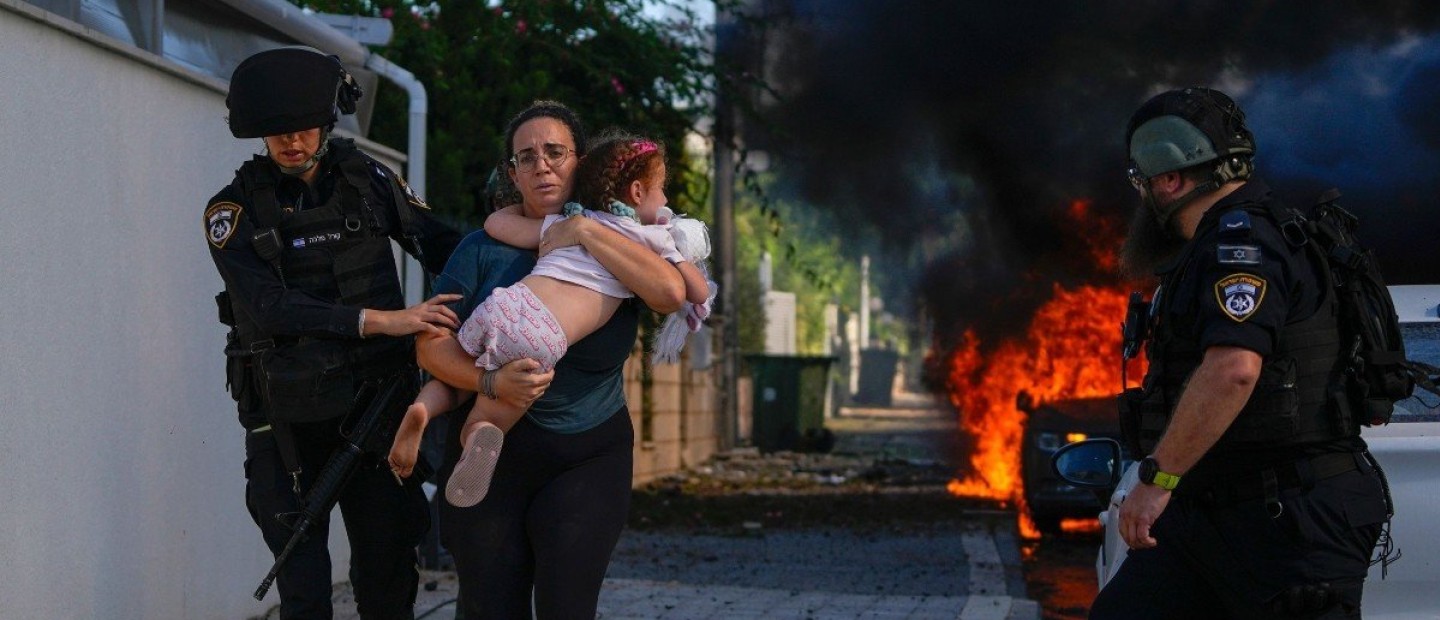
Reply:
x=1408, y=450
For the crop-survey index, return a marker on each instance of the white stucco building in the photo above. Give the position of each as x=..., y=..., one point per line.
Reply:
x=121, y=462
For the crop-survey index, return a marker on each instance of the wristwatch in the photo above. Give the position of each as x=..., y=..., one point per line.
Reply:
x=1150, y=474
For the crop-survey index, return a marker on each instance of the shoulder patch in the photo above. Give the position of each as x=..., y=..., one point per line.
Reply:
x=380, y=169
x=221, y=220
x=410, y=195
x=1238, y=254
x=1235, y=223
x=1239, y=295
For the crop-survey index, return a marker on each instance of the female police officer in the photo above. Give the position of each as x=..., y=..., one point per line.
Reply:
x=301, y=238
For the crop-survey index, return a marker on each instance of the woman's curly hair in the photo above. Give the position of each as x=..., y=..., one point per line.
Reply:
x=544, y=108
x=616, y=159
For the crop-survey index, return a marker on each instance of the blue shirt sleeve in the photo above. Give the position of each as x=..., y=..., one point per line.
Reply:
x=478, y=266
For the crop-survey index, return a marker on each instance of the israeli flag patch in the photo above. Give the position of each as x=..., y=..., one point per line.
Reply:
x=1238, y=254
x=1239, y=295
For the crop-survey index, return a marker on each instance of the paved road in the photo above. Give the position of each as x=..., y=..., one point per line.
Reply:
x=969, y=572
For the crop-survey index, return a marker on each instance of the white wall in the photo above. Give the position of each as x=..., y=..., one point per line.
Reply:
x=121, y=481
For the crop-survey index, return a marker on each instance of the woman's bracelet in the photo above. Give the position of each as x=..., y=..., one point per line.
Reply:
x=487, y=383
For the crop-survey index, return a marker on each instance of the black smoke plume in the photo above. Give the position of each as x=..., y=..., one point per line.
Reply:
x=896, y=113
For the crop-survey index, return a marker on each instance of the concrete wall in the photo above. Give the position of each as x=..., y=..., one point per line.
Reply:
x=121, y=462
x=683, y=406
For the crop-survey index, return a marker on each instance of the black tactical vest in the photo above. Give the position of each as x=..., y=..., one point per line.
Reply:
x=1292, y=402
x=335, y=251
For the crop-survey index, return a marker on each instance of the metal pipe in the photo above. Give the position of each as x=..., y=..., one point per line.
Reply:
x=419, y=110
x=293, y=22
x=728, y=419
x=412, y=273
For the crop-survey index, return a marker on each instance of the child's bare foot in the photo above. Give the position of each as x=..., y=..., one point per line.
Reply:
x=406, y=449
x=471, y=479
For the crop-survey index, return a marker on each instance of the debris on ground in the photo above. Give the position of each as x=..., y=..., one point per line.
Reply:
x=743, y=491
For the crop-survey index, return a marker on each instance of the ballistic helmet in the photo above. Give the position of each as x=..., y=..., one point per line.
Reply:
x=289, y=89
x=1185, y=128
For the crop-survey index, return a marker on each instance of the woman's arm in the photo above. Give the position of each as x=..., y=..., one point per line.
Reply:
x=511, y=227
x=518, y=384
x=639, y=268
x=697, y=290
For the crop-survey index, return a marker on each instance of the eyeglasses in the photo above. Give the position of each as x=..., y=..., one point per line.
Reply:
x=554, y=154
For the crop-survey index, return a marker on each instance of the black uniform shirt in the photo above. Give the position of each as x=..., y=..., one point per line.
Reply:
x=1241, y=282
x=254, y=286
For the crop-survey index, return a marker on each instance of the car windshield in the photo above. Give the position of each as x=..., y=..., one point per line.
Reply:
x=1422, y=344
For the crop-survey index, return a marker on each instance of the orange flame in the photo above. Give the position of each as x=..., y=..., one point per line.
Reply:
x=1070, y=349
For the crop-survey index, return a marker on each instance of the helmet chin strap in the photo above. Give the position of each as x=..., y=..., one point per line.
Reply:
x=1165, y=213
x=309, y=163
x=1225, y=172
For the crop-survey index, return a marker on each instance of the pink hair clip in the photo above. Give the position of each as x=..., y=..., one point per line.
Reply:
x=644, y=146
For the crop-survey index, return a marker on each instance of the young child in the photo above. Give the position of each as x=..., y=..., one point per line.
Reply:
x=567, y=296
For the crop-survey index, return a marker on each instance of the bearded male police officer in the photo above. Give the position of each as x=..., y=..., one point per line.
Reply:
x=302, y=240
x=1256, y=500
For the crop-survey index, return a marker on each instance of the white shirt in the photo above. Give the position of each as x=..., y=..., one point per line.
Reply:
x=575, y=265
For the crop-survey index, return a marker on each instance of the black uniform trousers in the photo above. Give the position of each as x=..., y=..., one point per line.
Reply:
x=383, y=520
x=1220, y=560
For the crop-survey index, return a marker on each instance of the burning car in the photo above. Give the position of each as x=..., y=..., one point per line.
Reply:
x=1408, y=450
x=1049, y=426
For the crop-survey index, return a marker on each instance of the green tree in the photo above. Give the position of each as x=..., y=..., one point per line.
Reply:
x=482, y=62
x=807, y=258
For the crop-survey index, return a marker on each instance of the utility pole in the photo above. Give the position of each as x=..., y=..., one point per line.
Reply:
x=728, y=417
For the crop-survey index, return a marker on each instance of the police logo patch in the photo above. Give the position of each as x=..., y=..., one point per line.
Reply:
x=410, y=195
x=1240, y=295
x=220, y=222
x=1238, y=254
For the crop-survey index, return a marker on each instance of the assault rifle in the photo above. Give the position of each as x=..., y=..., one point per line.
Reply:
x=372, y=431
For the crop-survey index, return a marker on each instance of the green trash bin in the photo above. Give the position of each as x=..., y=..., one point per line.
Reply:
x=789, y=401
x=877, y=376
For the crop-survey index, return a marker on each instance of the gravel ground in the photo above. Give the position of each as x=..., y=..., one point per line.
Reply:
x=866, y=526
x=859, y=520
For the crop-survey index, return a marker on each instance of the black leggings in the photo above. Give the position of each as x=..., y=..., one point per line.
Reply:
x=554, y=512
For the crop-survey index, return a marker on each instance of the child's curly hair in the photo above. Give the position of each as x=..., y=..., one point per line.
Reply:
x=616, y=159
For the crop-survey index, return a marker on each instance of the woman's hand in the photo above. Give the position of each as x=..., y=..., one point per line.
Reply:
x=653, y=279
x=565, y=233
x=519, y=384
x=429, y=317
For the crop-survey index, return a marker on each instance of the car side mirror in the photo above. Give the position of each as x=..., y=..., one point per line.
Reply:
x=1091, y=463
